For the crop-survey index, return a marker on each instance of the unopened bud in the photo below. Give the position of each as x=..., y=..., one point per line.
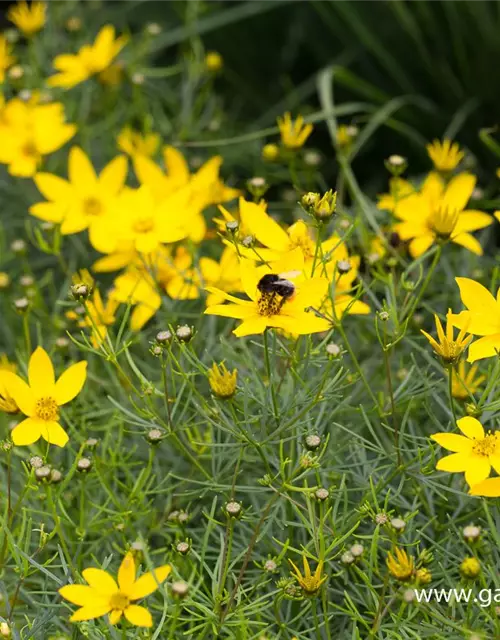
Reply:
x=42, y=473
x=257, y=186
x=18, y=247
x=163, y=337
x=183, y=547
x=333, y=350
x=233, y=509
x=321, y=494
x=180, y=589
x=312, y=442
x=80, y=291
x=343, y=266
x=232, y=226
x=155, y=436
x=84, y=465
x=184, y=333
x=398, y=524
x=21, y=305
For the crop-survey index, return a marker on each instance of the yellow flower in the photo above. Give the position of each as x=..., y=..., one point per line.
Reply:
x=270, y=309
x=437, y=213
x=423, y=576
x=134, y=143
x=90, y=59
x=6, y=59
x=482, y=318
x=475, y=452
x=104, y=596
x=30, y=131
x=213, y=61
x=465, y=382
x=138, y=223
x=399, y=189
x=28, y=18
x=445, y=155
x=222, y=382
x=310, y=583
x=294, y=133
x=85, y=199
x=401, y=567
x=447, y=347
x=40, y=401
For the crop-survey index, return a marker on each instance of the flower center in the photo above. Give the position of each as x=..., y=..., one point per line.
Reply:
x=443, y=221
x=92, y=207
x=29, y=150
x=144, y=225
x=486, y=447
x=269, y=304
x=46, y=409
x=119, y=601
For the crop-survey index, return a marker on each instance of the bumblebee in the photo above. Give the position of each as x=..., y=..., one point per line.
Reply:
x=273, y=283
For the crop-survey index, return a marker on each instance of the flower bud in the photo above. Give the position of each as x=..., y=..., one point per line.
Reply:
x=257, y=186
x=155, y=435
x=180, y=589
x=471, y=533
x=343, y=266
x=42, y=473
x=357, y=550
x=398, y=524
x=80, y=291
x=21, y=305
x=84, y=465
x=183, y=547
x=163, y=337
x=326, y=206
x=18, y=247
x=233, y=509
x=333, y=350
x=232, y=226
x=270, y=152
x=470, y=568
x=312, y=442
x=5, y=630
x=321, y=494
x=396, y=164
x=4, y=280
x=213, y=61
x=184, y=333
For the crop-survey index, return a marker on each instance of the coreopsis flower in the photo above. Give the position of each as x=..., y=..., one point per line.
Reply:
x=445, y=155
x=104, y=596
x=85, y=199
x=206, y=185
x=268, y=308
x=294, y=133
x=401, y=566
x=399, y=189
x=310, y=583
x=465, y=381
x=41, y=399
x=6, y=57
x=30, y=131
x=144, y=224
x=28, y=18
x=438, y=214
x=449, y=348
x=475, y=452
x=90, y=60
x=482, y=318
x=134, y=143
x=222, y=382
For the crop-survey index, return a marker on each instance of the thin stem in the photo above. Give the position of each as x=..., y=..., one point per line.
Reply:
x=357, y=365
x=395, y=425
x=269, y=378
x=165, y=391
x=425, y=284
x=450, y=393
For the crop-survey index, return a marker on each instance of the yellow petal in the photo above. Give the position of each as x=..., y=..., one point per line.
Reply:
x=489, y=488
x=115, y=616
x=81, y=171
x=100, y=581
x=263, y=226
x=126, y=574
x=237, y=311
x=21, y=393
x=253, y=325
x=113, y=176
x=472, y=220
x=53, y=433
x=469, y=242
x=458, y=191
x=471, y=427
x=484, y=348
x=477, y=298
x=455, y=462
x=53, y=187
x=478, y=471
x=26, y=432
x=70, y=383
x=41, y=373
x=90, y=612
x=419, y=246
x=139, y=616
x=452, y=442
x=149, y=582
x=79, y=594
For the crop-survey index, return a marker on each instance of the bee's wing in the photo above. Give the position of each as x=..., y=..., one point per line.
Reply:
x=289, y=275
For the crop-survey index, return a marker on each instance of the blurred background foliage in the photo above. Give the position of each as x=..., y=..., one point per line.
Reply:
x=442, y=55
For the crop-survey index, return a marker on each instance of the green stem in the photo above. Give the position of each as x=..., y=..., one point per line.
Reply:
x=357, y=365
x=269, y=378
x=450, y=393
x=425, y=284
